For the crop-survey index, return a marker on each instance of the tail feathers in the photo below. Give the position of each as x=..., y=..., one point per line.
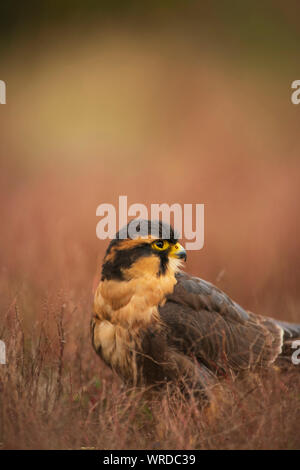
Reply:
x=290, y=330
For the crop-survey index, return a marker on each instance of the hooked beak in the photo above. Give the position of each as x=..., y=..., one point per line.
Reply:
x=177, y=251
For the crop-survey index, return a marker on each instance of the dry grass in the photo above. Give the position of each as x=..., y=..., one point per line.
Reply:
x=56, y=395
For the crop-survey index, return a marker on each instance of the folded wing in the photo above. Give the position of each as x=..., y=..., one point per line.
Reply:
x=205, y=324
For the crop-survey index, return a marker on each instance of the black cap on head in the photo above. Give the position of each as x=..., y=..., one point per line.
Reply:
x=143, y=228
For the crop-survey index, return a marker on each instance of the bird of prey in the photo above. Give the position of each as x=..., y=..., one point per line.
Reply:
x=153, y=323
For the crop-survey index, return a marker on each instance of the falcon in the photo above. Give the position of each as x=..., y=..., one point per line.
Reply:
x=154, y=324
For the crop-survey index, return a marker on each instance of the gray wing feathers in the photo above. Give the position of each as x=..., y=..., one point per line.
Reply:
x=206, y=324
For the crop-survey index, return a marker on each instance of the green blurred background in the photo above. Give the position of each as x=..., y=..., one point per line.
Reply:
x=163, y=101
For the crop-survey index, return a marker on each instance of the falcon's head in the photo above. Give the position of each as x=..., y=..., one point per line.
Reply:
x=143, y=248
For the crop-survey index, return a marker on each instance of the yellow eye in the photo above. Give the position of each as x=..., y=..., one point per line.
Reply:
x=160, y=245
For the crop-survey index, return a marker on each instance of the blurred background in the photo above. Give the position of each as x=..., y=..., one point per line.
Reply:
x=162, y=101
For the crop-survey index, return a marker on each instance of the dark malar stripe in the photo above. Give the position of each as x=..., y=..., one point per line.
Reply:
x=124, y=259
